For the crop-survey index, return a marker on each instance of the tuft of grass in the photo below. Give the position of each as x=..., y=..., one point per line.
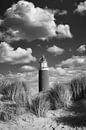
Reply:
x=14, y=90
x=78, y=88
x=14, y=96
x=52, y=99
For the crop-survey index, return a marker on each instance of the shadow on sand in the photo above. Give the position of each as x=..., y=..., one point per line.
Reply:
x=75, y=121
x=78, y=119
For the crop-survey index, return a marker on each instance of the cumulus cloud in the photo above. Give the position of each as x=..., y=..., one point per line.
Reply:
x=81, y=8
x=33, y=22
x=10, y=35
x=60, y=75
x=55, y=50
x=74, y=66
x=18, y=56
x=59, y=70
x=75, y=61
x=68, y=69
x=28, y=68
x=64, y=31
x=82, y=48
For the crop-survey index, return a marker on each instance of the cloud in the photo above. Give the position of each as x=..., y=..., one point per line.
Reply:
x=64, y=31
x=10, y=35
x=57, y=11
x=82, y=48
x=76, y=67
x=55, y=50
x=32, y=22
x=60, y=75
x=28, y=68
x=59, y=70
x=18, y=56
x=81, y=8
x=63, y=12
x=75, y=61
x=68, y=69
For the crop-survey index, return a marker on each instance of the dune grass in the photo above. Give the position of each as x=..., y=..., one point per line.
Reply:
x=14, y=90
x=52, y=99
x=78, y=88
x=13, y=100
x=60, y=96
x=17, y=93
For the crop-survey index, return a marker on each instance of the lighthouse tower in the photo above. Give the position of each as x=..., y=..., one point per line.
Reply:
x=43, y=74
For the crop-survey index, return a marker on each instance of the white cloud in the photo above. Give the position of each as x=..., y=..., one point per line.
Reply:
x=64, y=31
x=68, y=69
x=73, y=67
x=55, y=50
x=82, y=48
x=81, y=8
x=60, y=75
x=28, y=68
x=75, y=61
x=59, y=70
x=33, y=22
x=63, y=12
x=10, y=35
x=18, y=56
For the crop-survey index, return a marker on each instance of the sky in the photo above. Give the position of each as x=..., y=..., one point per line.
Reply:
x=32, y=28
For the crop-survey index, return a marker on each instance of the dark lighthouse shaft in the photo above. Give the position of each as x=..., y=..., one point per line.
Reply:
x=43, y=75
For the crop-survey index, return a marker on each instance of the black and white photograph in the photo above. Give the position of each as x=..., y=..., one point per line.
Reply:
x=42, y=64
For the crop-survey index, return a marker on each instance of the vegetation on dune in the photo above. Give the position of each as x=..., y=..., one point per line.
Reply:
x=14, y=90
x=52, y=99
x=78, y=88
x=60, y=96
x=15, y=97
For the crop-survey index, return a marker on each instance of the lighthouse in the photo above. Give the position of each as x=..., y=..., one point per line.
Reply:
x=43, y=74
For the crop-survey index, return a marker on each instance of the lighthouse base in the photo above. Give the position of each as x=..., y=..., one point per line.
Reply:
x=43, y=80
